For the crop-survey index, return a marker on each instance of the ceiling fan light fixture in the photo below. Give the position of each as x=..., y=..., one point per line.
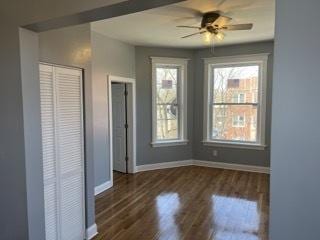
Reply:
x=220, y=36
x=207, y=37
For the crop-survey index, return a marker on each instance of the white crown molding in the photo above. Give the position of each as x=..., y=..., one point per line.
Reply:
x=103, y=187
x=91, y=231
x=193, y=162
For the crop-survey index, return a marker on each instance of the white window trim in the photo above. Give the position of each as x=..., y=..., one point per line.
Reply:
x=262, y=61
x=182, y=63
x=234, y=144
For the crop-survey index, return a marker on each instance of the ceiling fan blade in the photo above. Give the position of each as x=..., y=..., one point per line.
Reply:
x=183, y=26
x=222, y=21
x=229, y=6
x=193, y=34
x=190, y=11
x=220, y=4
x=187, y=20
x=176, y=11
x=235, y=27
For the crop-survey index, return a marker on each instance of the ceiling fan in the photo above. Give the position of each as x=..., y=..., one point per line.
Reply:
x=213, y=25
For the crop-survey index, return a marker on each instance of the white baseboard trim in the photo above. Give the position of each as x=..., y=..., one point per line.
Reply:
x=91, y=231
x=155, y=166
x=102, y=187
x=202, y=163
x=232, y=166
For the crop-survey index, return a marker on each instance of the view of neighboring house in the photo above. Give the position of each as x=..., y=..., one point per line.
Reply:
x=235, y=106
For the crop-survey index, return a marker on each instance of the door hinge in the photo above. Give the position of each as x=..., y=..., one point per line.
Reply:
x=127, y=158
x=126, y=125
x=126, y=93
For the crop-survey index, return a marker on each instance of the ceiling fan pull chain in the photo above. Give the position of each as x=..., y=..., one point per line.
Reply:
x=212, y=45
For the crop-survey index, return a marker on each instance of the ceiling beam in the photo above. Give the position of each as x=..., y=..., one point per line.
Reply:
x=115, y=10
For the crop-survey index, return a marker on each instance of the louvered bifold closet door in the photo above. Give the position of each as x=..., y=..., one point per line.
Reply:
x=49, y=151
x=70, y=135
x=63, y=162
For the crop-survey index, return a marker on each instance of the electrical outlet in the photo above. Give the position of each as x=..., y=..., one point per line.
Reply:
x=215, y=153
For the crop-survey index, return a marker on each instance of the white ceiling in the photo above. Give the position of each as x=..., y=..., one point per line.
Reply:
x=157, y=27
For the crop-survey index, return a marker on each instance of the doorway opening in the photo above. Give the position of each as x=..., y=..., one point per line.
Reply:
x=122, y=124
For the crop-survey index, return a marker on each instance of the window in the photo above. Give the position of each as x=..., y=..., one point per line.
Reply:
x=169, y=102
x=238, y=121
x=238, y=98
x=235, y=101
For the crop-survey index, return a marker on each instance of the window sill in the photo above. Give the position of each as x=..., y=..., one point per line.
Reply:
x=170, y=143
x=234, y=145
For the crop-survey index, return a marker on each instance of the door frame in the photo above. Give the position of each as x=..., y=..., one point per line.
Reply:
x=131, y=122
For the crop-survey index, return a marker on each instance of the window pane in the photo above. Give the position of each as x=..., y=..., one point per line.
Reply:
x=167, y=122
x=234, y=123
x=166, y=84
x=167, y=111
x=167, y=129
x=235, y=84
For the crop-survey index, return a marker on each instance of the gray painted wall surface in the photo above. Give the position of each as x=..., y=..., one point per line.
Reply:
x=71, y=46
x=295, y=160
x=108, y=57
x=229, y=155
x=146, y=154
x=15, y=162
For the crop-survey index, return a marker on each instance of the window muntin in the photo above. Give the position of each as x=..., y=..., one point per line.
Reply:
x=234, y=90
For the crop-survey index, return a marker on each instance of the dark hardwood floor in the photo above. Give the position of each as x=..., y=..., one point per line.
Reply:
x=191, y=203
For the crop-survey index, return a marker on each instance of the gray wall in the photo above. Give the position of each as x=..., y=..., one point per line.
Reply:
x=71, y=46
x=146, y=154
x=21, y=212
x=229, y=155
x=108, y=57
x=295, y=161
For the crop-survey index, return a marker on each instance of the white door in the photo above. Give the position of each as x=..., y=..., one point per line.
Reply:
x=63, y=155
x=118, y=125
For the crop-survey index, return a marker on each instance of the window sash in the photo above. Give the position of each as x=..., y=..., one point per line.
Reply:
x=213, y=117
x=177, y=105
x=211, y=105
x=180, y=104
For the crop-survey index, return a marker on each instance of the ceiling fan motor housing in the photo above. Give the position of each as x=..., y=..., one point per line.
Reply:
x=209, y=18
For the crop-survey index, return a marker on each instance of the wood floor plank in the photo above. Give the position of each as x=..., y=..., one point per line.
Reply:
x=187, y=203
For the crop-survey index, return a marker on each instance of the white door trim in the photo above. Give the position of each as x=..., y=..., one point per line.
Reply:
x=132, y=122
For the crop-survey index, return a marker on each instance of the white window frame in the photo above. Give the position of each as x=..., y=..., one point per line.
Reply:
x=241, y=60
x=182, y=65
